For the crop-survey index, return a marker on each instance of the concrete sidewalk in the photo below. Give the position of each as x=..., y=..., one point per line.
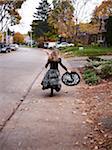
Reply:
x=47, y=123
x=107, y=57
x=78, y=62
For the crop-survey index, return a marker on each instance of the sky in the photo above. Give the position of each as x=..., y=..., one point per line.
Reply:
x=28, y=8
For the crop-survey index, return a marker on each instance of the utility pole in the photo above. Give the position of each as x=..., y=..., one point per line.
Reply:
x=2, y=37
x=6, y=35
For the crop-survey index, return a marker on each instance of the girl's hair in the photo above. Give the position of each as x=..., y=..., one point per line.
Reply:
x=54, y=56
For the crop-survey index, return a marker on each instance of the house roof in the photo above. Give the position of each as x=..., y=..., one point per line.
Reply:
x=90, y=28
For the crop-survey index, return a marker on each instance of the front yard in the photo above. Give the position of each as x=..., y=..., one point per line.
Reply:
x=86, y=51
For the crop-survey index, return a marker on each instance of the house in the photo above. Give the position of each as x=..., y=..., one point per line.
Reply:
x=101, y=36
x=87, y=34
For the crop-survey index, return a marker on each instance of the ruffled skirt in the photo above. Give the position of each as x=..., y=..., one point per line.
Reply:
x=52, y=80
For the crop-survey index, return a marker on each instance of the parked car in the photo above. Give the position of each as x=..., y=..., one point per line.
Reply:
x=4, y=48
x=49, y=45
x=14, y=47
x=46, y=45
x=7, y=47
x=64, y=44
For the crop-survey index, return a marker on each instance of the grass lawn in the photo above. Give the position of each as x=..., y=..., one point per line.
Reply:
x=87, y=51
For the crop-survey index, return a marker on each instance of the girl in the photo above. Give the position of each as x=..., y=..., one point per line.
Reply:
x=52, y=77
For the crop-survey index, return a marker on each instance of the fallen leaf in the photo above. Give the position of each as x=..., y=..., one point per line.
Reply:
x=74, y=112
x=76, y=143
x=26, y=109
x=84, y=114
x=96, y=147
x=89, y=121
x=86, y=137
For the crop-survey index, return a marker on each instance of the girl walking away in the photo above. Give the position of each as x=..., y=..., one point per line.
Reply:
x=51, y=79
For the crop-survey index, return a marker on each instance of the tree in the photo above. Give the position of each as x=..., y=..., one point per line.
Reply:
x=61, y=18
x=42, y=11
x=18, y=38
x=89, y=28
x=105, y=9
x=0, y=36
x=101, y=15
x=80, y=10
x=39, y=28
x=80, y=13
x=40, y=24
x=8, y=13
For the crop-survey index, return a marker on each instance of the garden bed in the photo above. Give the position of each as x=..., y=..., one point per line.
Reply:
x=97, y=70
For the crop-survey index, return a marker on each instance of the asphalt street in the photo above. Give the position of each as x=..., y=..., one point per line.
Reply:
x=18, y=70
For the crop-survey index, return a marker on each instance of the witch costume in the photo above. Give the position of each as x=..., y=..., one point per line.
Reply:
x=52, y=77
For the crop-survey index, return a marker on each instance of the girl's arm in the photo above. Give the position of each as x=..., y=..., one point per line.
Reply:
x=60, y=62
x=47, y=64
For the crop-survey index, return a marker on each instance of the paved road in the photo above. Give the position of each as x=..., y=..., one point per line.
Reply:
x=18, y=70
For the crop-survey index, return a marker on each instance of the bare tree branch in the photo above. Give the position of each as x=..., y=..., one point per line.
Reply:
x=8, y=12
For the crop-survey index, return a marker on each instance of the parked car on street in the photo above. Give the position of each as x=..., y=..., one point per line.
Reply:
x=4, y=48
x=46, y=45
x=14, y=47
x=7, y=47
x=49, y=45
x=64, y=44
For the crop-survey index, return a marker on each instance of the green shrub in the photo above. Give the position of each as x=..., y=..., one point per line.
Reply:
x=90, y=77
x=106, y=71
x=95, y=45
